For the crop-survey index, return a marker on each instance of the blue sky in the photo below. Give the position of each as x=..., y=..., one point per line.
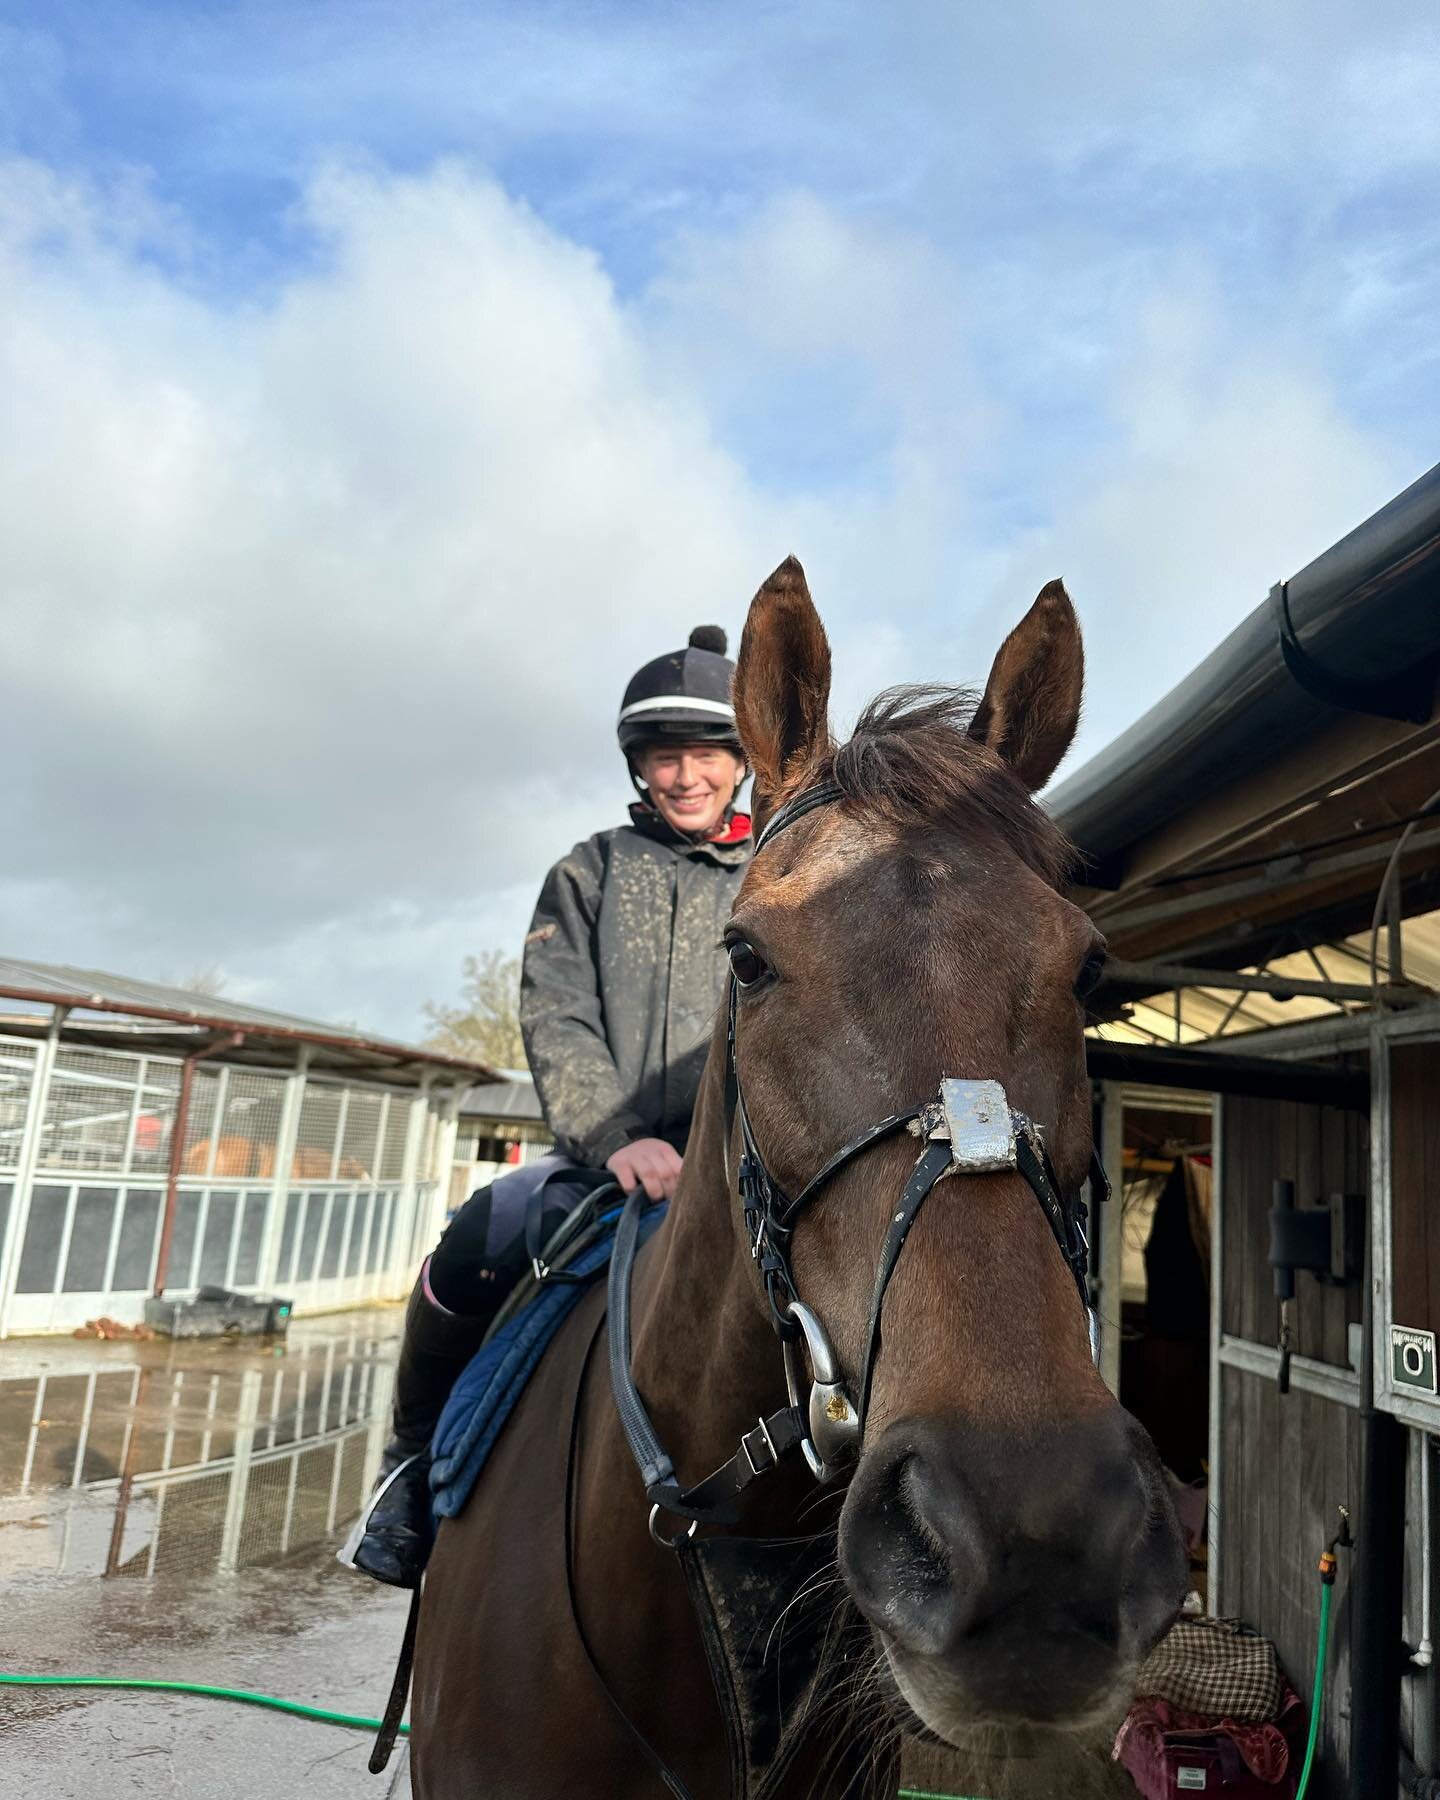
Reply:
x=385, y=381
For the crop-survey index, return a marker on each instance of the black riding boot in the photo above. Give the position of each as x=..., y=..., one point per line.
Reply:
x=392, y=1539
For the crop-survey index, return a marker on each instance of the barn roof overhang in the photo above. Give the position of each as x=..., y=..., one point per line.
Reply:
x=115, y=1012
x=1236, y=837
x=514, y=1098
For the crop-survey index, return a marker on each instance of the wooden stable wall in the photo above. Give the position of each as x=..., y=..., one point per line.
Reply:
x=1286, y=1462
x=1323, y=1151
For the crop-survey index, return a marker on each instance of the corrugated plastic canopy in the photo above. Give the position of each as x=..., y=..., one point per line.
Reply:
x=1200, y=1014
x=175, y=1021
x=514, y=1098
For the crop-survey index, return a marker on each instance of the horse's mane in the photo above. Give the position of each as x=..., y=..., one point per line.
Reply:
x=911, y=760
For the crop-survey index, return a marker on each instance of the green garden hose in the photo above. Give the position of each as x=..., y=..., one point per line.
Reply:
x=1317, y=1687
x=298, y=1707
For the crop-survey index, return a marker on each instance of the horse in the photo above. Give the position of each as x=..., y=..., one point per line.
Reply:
x=242, y=1158
x=1002, y=1550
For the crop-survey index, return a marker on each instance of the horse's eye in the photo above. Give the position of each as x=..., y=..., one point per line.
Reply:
x=1091, y=972
x=746, y=964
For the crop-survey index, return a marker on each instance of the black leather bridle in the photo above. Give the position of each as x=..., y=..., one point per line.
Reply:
x=969, y=1127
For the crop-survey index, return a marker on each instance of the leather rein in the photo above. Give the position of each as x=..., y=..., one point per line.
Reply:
x=967, y=1128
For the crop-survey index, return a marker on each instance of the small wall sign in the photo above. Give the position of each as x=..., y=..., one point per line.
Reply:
x=1412, y=1359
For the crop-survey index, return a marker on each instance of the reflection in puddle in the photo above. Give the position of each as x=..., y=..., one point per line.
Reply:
x=154, y=1460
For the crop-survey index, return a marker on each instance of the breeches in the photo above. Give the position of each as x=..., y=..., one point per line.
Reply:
x=482, y=1251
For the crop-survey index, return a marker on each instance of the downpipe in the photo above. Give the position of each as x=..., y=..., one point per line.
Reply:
x=1425, y=1769
x=179, y=1126
x=1377, y=1582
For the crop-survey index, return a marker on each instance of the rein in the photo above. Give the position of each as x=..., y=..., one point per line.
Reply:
x=968, y=1128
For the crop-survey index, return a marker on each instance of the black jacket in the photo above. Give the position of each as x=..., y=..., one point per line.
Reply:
x=623, y=970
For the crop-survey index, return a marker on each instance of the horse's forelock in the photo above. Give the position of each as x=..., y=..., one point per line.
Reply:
x=911, y=761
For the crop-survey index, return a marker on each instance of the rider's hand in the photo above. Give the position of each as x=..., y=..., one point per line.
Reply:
x=650, y=1162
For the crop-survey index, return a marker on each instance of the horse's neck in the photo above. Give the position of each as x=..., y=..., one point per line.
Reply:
x=705, y=1356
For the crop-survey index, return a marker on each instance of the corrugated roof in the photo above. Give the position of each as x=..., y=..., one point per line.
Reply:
x=513, y=1098
x=205, y=1016
x=1193, y=1015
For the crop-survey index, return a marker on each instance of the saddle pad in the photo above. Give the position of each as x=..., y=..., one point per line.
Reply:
x=494, y=1379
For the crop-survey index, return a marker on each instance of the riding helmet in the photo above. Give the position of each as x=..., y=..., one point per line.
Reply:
x=682, y=698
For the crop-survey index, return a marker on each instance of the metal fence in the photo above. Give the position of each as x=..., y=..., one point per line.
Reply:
x=323, y=1190
x=149, y=1470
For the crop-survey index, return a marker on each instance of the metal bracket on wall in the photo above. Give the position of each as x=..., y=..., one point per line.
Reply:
x=1408, y=696
x=1327, y=1242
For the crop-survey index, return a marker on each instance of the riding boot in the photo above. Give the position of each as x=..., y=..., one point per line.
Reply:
x=392, y=1538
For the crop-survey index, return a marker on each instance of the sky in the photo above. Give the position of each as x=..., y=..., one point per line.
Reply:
x=381, y=383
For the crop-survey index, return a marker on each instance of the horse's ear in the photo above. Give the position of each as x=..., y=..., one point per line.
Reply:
x=782, y=682
x=1032, y=699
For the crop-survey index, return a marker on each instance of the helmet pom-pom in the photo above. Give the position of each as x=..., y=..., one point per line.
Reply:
x=709, y=637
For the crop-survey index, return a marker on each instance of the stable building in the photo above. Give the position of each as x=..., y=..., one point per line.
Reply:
x=500, y=1126
x=1262, y=852
x=156, y=1141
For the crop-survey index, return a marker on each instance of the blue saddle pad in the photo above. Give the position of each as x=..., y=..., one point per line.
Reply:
x=494, y=1379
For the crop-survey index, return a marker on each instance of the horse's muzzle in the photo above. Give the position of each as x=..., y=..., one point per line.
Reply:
x=1012, y=1579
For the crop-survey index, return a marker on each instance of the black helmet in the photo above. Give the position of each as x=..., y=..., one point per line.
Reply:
x=682, y=698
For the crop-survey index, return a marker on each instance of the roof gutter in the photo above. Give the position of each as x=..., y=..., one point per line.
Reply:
x=334, y=1040
x=1357, y=629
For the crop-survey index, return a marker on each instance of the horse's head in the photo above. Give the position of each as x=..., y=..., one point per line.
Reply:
x=1006, y=1531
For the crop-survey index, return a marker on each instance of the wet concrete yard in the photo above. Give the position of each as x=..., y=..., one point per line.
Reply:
x=170, y=1511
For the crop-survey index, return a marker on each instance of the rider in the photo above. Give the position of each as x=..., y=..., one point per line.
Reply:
x=623, y=970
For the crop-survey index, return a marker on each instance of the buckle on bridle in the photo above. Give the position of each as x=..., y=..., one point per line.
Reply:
x=747, y=1443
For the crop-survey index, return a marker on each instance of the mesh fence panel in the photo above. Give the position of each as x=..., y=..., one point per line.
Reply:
x=87, y=1113
x=155, y=1118
x=200, y=1121
x=17, y=1072
x=262, y=1525
x=392, y=1151
x=315, y=1139
x=192, y=1520
x=354, y=1457
x=314, y=1476
x=361, y=1136
x=251, y=1124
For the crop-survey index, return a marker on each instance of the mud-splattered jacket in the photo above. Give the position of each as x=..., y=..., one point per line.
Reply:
x=623, y=971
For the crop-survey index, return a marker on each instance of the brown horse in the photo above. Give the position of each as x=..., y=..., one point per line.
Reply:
x=253, y=1159
x=1005, y=1543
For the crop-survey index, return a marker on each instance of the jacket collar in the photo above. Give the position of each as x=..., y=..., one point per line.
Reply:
x=733, y=844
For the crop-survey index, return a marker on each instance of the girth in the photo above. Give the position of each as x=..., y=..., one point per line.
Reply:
x=967, y=1128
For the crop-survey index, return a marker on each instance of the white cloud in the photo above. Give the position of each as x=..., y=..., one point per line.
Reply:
x=316, y=609
x=1232, y=468
x=320, y=613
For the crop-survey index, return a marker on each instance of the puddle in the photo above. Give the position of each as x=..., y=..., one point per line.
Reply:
x=188, y=1460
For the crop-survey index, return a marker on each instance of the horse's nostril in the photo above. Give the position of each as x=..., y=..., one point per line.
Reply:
x=1028, y=1573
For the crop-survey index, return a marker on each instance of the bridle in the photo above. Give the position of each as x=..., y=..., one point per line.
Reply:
x=967, y=1128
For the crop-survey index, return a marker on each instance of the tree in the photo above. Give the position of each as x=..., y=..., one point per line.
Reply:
x=208, y=980
x=486, y=1023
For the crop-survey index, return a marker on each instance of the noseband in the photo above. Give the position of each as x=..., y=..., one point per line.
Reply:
x=967, y=1128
